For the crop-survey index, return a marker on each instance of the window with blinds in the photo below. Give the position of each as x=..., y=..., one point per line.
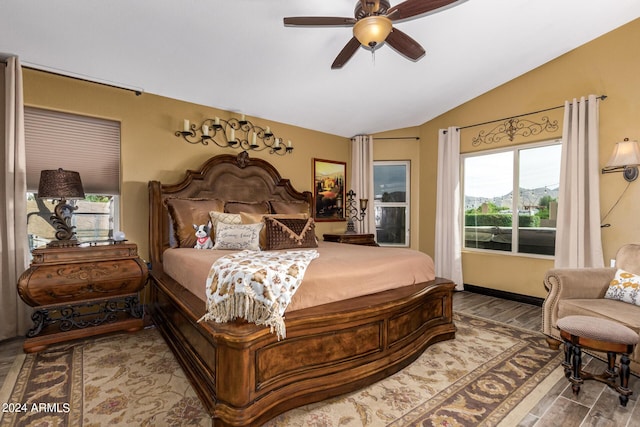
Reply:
x=88, y=145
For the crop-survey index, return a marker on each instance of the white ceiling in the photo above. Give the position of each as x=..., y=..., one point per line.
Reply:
x=237, y=55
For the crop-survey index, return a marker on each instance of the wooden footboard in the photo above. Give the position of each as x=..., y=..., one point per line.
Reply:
x=245, y=376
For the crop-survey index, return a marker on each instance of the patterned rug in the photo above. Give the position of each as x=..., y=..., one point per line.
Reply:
x=482, y=378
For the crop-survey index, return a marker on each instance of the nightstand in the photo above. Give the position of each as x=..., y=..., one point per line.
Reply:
x=352, y=239
x=81, y=291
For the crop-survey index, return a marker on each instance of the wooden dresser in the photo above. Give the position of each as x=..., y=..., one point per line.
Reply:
x=351, y=238
x=80, y=291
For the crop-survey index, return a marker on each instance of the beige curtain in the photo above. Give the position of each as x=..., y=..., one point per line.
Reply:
x=578, y=240
x=362, y=179
x=448, y=245
x=14, y=313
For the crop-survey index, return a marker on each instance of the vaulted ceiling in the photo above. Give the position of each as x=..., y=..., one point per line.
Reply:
x=237, y=55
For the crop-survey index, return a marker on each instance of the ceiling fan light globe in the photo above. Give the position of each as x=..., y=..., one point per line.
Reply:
x=372, y=30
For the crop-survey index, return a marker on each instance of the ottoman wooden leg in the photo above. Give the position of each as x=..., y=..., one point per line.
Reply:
x=576, y=364
x=568, y=352
x=611, y=365
x=624, y=380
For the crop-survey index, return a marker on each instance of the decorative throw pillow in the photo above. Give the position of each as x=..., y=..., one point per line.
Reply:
x=253, y=218
x=237, y=207
x=289, y=233
x=624, y=287
x=186, y=212
x=224, y=218
x=238, y=236
x=292, y=207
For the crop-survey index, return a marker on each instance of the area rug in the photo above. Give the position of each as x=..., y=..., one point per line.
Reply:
x=491, y=373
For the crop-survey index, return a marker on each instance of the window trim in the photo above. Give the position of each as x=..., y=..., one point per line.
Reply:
x=86, y=144
x=406, y=204
x=515, y=201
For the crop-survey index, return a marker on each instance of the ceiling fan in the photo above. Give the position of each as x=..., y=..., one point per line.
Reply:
x=373, y=25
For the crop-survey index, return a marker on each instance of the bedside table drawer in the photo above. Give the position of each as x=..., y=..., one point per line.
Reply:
x=65, y=283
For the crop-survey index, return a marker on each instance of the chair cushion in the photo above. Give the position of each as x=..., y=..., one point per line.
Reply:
x=627, y=314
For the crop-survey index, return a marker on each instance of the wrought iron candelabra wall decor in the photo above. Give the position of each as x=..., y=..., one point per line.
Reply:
x=352, y=213
x=513, y=127
x=234, y=133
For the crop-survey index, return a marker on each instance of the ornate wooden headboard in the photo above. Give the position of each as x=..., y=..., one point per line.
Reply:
x=224, y=177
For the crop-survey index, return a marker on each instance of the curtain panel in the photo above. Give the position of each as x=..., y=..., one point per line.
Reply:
x=578, y=238
x=448, y=244
x=362, y=179
x=14, y=253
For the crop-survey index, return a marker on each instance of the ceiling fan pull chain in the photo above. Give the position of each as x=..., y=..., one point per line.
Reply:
x=373, y=57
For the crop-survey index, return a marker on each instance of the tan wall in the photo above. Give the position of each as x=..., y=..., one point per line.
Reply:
x=608, y=65
x=151, y=151
x=403, y=148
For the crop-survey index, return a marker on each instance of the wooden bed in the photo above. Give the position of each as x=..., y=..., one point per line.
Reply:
x=241, y=372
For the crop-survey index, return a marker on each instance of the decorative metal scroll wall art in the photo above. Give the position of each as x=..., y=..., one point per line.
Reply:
x=513, y=127
x=234, y=133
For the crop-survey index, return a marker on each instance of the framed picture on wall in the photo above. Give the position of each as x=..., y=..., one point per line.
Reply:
x=329, y=190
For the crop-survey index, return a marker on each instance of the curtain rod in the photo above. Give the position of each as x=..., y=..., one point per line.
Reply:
x=417, y=138
x=602, y=97
x=58, y=72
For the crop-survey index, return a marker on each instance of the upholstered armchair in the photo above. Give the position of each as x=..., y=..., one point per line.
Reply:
x=580, y=291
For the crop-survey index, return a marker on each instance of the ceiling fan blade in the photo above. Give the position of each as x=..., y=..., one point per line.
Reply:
x=319, y=20
x=411, y=8
x=404, y=44
x=346, y=53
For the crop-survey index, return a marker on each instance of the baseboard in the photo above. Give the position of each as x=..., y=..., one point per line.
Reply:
x=504, y=295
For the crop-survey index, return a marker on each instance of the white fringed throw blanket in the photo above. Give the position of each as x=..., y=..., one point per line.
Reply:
x=256, y=286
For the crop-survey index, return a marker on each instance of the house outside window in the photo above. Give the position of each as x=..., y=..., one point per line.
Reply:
x=391, y=205
x=511, y=198
x=87, y=145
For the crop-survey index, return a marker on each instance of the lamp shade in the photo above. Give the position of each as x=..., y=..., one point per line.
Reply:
x=60, y=184
x=372, y=30
x=625, y=153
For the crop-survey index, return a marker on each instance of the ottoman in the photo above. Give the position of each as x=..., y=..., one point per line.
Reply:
x=604, y=335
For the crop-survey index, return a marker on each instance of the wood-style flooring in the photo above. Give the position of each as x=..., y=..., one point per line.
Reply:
x=596, y=406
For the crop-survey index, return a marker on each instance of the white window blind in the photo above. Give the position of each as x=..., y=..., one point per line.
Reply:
x=88, y=145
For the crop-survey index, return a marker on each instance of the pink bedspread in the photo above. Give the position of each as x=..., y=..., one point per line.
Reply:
x=340, y=272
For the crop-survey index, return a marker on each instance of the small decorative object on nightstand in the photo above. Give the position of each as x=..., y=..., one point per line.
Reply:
x=80, y=291
x=351, y=211
x=352, y=214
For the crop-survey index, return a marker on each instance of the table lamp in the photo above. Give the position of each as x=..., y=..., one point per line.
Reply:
x=61, y=185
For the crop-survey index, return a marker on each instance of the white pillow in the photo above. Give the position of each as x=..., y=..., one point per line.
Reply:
x=624, y=287
x=218, y=217
x=238, y=236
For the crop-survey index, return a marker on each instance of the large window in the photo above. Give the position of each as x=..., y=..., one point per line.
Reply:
x=88, y=145
x=391, y=204
x=511, y=198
